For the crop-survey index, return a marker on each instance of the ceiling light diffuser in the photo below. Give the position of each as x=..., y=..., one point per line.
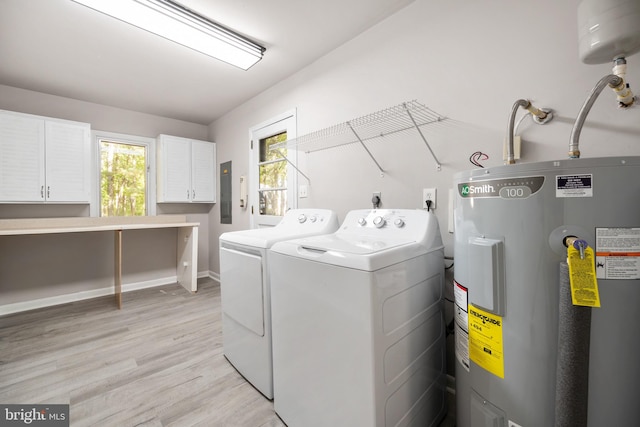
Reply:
x=184, y=26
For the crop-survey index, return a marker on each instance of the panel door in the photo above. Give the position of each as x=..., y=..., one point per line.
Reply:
x=67, y=162
x=203, y=171
x=22, y=172
x=174, y=169
x=242, y=288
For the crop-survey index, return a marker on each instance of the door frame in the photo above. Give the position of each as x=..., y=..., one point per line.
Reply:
x=284, y=122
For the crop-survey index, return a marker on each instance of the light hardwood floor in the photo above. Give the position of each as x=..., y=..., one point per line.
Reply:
x=156, y=362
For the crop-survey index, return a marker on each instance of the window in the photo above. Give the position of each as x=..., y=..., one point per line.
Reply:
x=124, y=167
x=272, y=181
x=272, y=170
x=123, y=179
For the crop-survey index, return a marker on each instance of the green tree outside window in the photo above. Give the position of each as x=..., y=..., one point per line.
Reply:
x=122, y=179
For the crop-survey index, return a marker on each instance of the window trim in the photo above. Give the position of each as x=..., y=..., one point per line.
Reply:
x=149, y=143
x=287, y=122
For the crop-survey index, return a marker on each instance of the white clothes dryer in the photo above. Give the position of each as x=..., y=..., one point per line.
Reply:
x=245, y=290
x=358, y=323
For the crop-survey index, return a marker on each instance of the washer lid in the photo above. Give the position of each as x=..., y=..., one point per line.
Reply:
x=362, y=253
x=360, y=245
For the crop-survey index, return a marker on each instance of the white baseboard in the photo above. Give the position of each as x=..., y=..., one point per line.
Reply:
x=214, y=276
x=83, y=295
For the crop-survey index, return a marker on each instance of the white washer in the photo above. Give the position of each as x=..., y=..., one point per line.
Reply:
x=358, y=323
x=244, y=284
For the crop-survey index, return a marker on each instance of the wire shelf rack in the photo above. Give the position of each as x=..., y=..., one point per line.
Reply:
x=408, y=116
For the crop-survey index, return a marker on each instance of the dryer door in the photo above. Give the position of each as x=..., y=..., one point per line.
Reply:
x=242, y=288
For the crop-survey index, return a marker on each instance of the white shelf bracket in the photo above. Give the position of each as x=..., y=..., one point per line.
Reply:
x=438, y=164
x=292, y=165
x=366, y=149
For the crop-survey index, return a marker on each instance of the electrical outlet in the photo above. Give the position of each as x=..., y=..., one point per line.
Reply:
x=429, y=194
x=377, y=194
x=303, y=191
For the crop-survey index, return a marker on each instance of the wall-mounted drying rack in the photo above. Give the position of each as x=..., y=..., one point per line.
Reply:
x=404, y=117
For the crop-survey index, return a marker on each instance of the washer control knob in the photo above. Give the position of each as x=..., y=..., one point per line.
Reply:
x=313, y=218
x=302, y=218
x=362, y=221
x=378, y=222
x=398, y=223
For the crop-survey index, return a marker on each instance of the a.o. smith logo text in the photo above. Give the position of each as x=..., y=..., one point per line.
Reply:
x=470, y=190
x=507, y=188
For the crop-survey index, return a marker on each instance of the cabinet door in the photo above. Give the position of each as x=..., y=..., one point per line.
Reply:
x=67, y=162
x=174, y=169
x=21, y=158
x=203, y=171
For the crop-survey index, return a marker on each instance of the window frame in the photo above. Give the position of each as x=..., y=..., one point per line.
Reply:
x=148, y=143
x=285, y=122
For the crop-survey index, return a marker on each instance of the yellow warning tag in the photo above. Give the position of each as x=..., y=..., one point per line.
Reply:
x=582, y=277
x=485, y=340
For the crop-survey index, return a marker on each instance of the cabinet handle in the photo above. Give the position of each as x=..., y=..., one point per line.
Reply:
x=187, y=194
x=48, y=192
x=194, y=195
x=42, y=192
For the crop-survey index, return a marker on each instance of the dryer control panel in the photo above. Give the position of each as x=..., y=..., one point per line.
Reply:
x=310, y=219
x=295, y=224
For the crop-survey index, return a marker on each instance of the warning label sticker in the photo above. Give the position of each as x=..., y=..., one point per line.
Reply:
x=574, y=185
x=462, y=347
x=618, y=253
x=582, y=276
x=461, y=323
x=485, y=340
x=460, y=293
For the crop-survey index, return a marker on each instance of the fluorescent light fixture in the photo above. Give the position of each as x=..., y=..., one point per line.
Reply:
x=181, y=25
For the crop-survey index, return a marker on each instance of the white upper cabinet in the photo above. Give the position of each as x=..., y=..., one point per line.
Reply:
x=67, y=160
x=43, y=159
x=186, y=170
x=203, y=171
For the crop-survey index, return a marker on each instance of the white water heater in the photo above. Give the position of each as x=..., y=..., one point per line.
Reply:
x=510, y=224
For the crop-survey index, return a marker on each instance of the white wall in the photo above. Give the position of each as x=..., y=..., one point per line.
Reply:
x=467, y=60
x=41, y=267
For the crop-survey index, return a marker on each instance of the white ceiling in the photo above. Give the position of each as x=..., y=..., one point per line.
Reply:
x=62, y=48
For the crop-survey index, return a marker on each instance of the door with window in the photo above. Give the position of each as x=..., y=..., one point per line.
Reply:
x=272, y=179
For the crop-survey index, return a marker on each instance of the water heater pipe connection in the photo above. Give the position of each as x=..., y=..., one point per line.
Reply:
x=577, y=243
x=540, y=116
x=624, y=95
x=570, y=240
x=623, y=92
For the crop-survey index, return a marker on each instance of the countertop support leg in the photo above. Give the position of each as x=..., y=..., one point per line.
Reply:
x=117, y=261
x=187, y=265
